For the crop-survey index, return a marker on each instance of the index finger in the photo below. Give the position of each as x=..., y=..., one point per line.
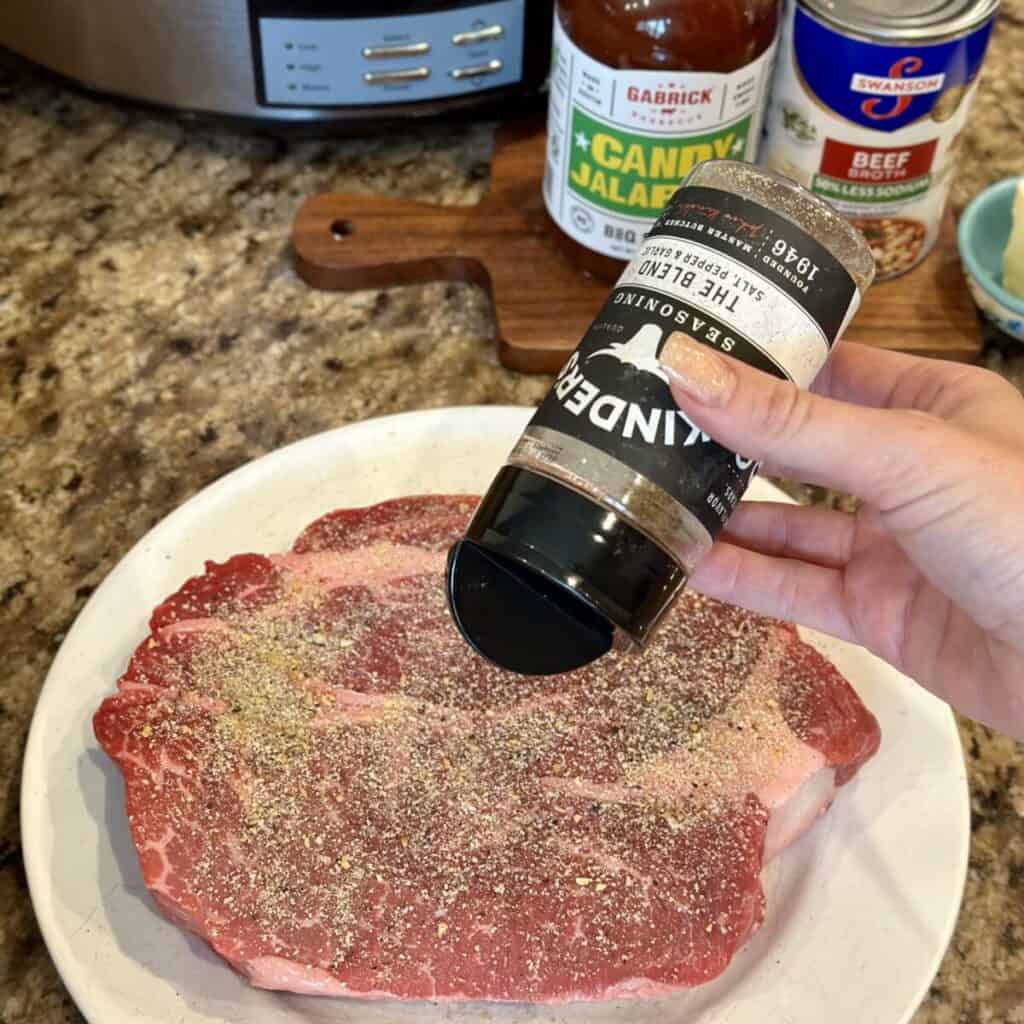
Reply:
x=880, y=455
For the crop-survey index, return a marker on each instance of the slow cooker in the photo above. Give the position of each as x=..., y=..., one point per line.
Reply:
x=323, y=62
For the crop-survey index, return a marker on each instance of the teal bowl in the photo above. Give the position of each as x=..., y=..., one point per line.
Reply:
x=982, y=235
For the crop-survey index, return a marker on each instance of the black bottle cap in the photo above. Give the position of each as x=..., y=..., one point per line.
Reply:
x=544, y=577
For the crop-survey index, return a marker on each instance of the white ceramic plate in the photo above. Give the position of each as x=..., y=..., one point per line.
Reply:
x=859, y=911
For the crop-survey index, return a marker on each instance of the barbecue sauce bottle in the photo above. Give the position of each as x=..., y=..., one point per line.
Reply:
x=611, y=495
x=640, y=92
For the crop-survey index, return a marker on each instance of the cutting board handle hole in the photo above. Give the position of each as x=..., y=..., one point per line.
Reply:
x=341, y=229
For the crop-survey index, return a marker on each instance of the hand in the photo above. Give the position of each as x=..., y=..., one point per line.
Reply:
x=929, y=573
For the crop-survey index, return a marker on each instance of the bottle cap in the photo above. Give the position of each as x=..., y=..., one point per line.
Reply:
x=544, y=577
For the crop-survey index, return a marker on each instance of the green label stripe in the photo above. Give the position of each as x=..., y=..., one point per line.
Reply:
x=866, y=192
x=637, y=174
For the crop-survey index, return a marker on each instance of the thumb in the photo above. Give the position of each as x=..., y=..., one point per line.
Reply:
x=879, y=455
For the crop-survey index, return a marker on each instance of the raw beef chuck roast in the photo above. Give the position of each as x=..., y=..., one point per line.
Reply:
x=326, y=784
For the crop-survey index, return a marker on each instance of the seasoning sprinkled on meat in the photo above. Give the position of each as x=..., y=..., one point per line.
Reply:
x=326, y=783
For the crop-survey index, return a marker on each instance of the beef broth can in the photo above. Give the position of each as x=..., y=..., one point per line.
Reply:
x=868, y=108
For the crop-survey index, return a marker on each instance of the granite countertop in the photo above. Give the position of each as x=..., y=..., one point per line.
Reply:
x=153, y=336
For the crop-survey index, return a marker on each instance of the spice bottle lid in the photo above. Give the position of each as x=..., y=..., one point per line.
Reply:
x=544, y=577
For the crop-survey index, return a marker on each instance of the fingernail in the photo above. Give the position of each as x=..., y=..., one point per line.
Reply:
x=697, y=370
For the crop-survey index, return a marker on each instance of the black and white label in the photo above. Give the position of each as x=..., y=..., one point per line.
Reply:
x=730, y=274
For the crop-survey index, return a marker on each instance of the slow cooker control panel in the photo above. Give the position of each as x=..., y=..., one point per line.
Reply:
x=326, y=61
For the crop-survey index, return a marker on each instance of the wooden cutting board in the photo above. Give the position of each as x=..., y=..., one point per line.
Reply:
x=542, y=304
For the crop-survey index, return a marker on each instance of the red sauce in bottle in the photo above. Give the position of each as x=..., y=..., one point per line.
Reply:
x=641, y=91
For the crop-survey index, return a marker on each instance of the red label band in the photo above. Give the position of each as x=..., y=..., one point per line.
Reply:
x=876, y=163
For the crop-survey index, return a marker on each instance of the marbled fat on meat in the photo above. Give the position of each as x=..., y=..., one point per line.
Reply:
x=324, y=782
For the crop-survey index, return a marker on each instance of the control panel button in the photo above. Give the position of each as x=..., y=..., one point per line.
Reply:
x=492, y=67
x=393, y=52
x=486, y=34
x=337, y=61
x=396, y=77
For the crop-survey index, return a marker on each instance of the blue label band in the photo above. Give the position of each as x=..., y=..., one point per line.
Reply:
x=882, y=86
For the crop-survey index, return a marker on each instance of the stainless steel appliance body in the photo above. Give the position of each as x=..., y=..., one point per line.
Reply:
x=292, y=61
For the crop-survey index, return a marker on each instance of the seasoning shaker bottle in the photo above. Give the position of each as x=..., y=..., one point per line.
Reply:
x=611, y=496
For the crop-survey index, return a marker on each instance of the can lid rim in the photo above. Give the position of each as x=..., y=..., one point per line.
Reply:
x=876, y=20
